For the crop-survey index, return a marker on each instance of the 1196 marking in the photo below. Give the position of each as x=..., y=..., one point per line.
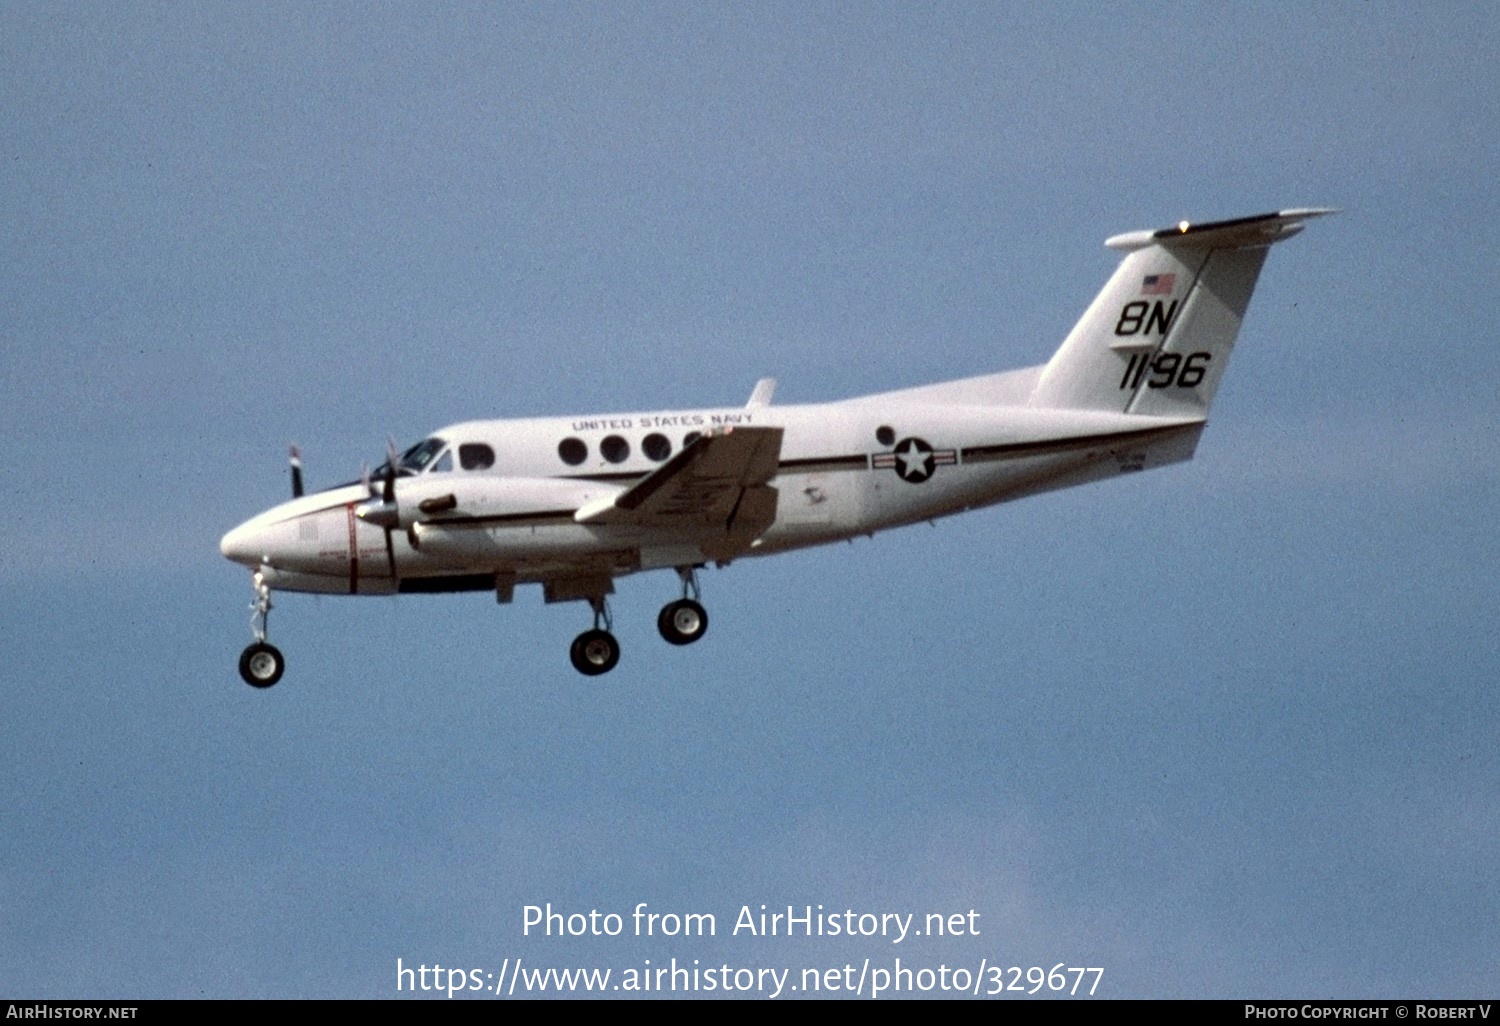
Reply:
x=1167, y=370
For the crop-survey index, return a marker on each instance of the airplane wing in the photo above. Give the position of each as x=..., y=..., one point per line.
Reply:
x=715, y=491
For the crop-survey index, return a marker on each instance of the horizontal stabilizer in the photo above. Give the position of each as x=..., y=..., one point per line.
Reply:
x=1257, y=230
x=1157, y=338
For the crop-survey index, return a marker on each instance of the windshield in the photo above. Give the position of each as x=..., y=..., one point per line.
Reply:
x=414, y=460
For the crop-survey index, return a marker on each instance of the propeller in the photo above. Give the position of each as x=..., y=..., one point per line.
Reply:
x=385, y=514
x=388, y=498
x=381, y=510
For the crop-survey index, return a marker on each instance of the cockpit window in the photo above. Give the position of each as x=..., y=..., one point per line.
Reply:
x=476, y=456
x=444, y=463
x=413, y=460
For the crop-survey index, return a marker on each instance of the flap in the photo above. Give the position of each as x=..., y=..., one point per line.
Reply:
x=699, y=487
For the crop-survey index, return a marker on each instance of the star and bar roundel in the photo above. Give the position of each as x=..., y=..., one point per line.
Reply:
x=914, y=460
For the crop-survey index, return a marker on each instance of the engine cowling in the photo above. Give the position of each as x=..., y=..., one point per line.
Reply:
x=453, y=500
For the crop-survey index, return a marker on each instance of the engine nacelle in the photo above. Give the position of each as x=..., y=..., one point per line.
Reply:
x=475, y=500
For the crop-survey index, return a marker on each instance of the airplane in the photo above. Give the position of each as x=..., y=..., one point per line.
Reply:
x=572, y=503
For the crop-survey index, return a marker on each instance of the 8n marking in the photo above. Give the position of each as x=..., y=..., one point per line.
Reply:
x=1167, y=369
x=1140, y=317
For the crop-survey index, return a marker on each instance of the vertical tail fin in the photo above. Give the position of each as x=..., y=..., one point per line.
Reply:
x=1157, y=338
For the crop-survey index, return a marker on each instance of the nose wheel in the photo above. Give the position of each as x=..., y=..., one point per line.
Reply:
x=261, y=664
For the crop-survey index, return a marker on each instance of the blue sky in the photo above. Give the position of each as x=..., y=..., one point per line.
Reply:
x=1223, y=729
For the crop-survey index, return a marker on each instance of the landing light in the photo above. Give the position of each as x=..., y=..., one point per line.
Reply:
x=1182, y=226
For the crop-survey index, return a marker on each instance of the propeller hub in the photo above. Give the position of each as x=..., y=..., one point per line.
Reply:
x=380, y=513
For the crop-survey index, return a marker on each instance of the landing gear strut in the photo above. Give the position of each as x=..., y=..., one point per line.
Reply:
x=684, y=621
x=596, y=651
x=261, y=664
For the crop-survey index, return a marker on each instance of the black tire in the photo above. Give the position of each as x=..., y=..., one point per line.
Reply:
x=261, y=665
x=682, y=622
x=594, y=652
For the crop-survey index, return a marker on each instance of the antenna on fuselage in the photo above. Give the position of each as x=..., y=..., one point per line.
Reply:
x=761, y=396
x=296, y=459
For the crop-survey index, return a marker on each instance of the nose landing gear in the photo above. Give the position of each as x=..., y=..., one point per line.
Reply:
x=261, y=664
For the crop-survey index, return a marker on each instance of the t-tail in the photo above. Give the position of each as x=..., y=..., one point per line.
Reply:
x=1156, y=340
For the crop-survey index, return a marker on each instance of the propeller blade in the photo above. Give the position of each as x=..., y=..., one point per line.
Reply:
x=296, y=457
x=390, y=469
x=389, y=497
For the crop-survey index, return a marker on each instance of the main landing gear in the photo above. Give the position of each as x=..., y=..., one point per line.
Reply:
x=682, y=622
x=261, y=664
x=596, y=651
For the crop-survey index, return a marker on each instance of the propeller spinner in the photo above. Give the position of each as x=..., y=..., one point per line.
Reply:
x=384, y=514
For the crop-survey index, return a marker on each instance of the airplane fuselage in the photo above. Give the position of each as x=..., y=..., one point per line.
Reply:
x=844, y=469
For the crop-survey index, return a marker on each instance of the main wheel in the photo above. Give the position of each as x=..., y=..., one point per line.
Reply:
x=594, y=652
x=261, y=665
x=682, y=622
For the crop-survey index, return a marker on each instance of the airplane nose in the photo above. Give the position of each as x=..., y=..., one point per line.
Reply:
x=244, y=545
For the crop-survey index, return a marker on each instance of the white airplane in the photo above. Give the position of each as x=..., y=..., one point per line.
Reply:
x=571, y=503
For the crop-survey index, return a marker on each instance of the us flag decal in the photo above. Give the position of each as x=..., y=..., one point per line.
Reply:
x=1158, y=284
